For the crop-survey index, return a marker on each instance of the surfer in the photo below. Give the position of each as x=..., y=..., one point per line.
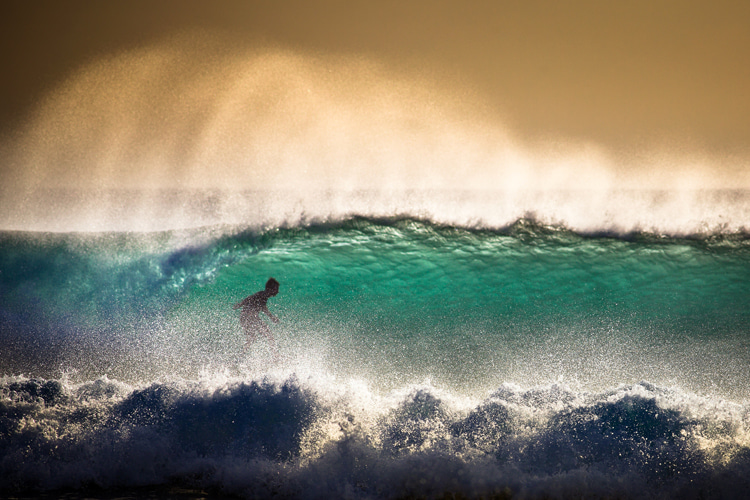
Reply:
x=250, y=320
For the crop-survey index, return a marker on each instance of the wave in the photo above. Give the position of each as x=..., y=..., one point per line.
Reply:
x=387, y=300
x=418, y=360
x=309, y=439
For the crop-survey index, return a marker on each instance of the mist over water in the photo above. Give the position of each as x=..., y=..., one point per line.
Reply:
x=178, y=133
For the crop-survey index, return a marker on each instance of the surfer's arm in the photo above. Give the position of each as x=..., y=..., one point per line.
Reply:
x=270, y=314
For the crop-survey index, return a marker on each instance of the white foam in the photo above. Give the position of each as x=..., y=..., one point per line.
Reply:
x=635, y=440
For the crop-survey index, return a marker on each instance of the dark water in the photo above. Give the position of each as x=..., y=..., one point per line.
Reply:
x=417, y=360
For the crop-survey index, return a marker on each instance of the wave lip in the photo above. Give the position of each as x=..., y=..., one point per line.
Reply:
x=589, y=211
x=292, y=440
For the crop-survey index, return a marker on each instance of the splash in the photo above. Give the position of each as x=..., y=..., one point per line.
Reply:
x=193, y=131
x=293, y=439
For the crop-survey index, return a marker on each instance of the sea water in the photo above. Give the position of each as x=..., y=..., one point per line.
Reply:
x=418, y=358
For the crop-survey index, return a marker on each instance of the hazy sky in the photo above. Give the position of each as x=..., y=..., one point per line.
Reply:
x=611, y=71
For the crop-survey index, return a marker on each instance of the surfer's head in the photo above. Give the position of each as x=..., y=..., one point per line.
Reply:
x=272, y=286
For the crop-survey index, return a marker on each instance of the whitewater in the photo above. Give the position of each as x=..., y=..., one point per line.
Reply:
x=461, y=315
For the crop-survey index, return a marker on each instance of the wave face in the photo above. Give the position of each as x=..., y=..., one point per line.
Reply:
x=417, y=360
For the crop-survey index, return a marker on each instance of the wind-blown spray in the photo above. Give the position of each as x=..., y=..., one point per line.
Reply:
x=461, y=315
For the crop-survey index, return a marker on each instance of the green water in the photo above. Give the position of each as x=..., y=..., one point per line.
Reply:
x=393, y=302
x=397, y=301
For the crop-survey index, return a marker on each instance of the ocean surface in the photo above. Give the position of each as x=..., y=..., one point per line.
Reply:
x=419, y=357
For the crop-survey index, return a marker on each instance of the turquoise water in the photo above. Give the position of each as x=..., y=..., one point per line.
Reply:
x=515, y=360
x=395, y=301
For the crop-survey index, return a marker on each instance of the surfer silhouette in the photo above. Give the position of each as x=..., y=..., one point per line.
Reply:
x=250, y=320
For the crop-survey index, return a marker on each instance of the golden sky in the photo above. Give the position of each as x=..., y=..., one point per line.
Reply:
x=620, y=93
x=619, y=72
x=341, y=96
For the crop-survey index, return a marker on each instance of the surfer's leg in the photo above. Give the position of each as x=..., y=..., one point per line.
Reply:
x=266, y=332
x=249, y=340
x=251, y=333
